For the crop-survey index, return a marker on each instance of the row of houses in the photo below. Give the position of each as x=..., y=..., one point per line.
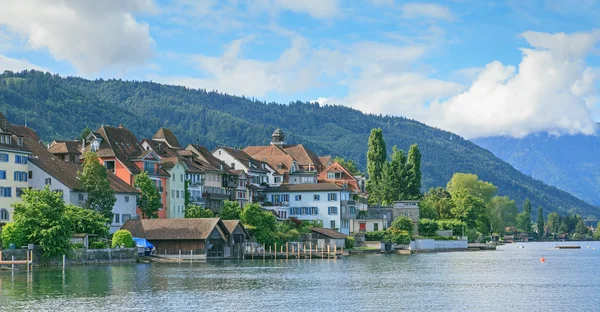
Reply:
x=290, y=180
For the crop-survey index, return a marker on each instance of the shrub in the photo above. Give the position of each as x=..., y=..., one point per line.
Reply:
x=349, y=242
x=375, y=236
x=402, y=223
x=77, y=246
x=455, y=225
x=97, y=245
x=397, y=236
x=427, y=227
x=122, y=238
x=11, y=234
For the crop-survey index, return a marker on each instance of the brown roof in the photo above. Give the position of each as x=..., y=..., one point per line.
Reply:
x=306, y=187
x=165, y=135
x=325, y=160
x=25, y=132
x=119, y=143
x=303, y=155
x=245, y=159
x=65, y=147
x=284, y=156
x=347, y=177
x=329, y=233
x=6, y=129
x=172, y=229
x=232, y=224
x=66, y=172
x=207, y=159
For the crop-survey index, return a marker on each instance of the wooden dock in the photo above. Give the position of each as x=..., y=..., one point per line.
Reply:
x=568, y=247
x=28, y=261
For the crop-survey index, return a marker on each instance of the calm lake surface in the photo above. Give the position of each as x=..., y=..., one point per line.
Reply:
x=510, y=279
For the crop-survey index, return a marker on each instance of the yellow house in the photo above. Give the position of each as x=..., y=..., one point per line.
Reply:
x=13, y=169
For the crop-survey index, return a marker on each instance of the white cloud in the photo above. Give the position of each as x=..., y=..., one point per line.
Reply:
x=91, y=35
x=427, y=10
x=552, y=90
x=7, y=63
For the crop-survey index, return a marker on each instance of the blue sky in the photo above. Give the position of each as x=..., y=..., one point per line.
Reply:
x=477, y=68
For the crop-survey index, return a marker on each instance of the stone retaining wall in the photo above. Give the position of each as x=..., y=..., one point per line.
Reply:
x=78, y=256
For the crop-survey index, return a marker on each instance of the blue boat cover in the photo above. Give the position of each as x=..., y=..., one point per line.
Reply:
x=142, y=242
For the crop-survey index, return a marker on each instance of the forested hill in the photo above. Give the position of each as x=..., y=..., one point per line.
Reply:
x=59, y=108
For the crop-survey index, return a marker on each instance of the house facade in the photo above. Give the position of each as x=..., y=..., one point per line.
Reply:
x=13, y=169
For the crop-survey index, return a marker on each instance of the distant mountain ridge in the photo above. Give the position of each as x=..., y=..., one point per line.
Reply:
x=59, y=108
x=568, y=162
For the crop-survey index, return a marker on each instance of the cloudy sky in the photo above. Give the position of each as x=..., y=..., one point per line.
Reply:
x=477, y=68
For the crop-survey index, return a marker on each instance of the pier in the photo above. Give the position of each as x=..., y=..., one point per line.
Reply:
x=28, y=261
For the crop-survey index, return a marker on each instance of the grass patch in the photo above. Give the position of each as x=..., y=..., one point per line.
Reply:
x=365, y=248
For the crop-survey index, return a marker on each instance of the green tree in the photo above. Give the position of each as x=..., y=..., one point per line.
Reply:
x=122, y=238
x=470, y=210
x=85, y=132
x=413, y=171
x=231, y=211
x=474, y=187
x=195, y=211
x=12, y=234
x=260, y=223
x=540, y=222
x=553, y=222
x=187, y=195
x=41, y=216
x=100, y=196
x=524, y=218
x=376, y=158
x=385, y=188
x=87, y=221
x=149, y=200
x=427, y=227
x=349, y=165
x=399, y=179
x=438, y=200
x=502, y=212
x=580, y=228
x=403, y=223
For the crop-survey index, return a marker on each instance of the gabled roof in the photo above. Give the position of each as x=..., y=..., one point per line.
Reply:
x=165, y=135
x=7, y=129
x=211, y=162
x=347, y=177
x=326, y=161
x=65, y=147
x=232, y=224
x=119, y=143
x=273, y=155
x=175, y=229
x=245, y=159
x=66, y=172
x=25, y=132
x=329, y=233
x=303, y=155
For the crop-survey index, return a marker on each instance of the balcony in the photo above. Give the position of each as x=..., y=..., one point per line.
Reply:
x=259, y=199
x=215, y=193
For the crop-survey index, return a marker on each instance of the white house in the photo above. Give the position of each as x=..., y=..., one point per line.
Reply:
x=327, y=202
x=257, y=172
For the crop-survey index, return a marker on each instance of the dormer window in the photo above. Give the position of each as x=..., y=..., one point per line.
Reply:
x=95, y=145
x=20, y=141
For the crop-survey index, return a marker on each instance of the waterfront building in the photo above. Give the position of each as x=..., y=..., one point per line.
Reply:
x=120, y=152
x=405, y=208
x=259, y=173
x=13, y=168
x=66, y=150
x=322, y=238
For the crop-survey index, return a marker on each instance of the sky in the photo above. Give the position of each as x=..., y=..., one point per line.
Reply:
x=476, y=68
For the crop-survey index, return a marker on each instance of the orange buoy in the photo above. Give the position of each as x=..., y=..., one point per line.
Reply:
x=542, y=260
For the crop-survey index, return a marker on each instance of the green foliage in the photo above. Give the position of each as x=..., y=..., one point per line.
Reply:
x=540, y=222
x=402, y=223
x=195, y=211
x=350, y=165
x=413, y=172
x=93, y=178
x=456, y=226
x=597, y=233
x=349, y=243
x=187, y=194
x=375, y=236
x=436, y=204
x=427, y=227
x=12, y=234
x=59, y=107
x=472, y=185
x=468, y=209
x=122, y=238
x=376, y=159
x=260, y=223
x=87, y=221
x=393, y=184
x=85, y=132
x=397, y=236
x=524, y=218
x=97, y=245
x=502, y=213
x=149, y=200
x=581, y=229
x=553, y=222
x=77, y=246
x=41, y=216
x=231, y=211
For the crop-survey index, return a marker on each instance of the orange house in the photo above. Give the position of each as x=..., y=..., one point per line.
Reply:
x=120, y=152
x=336, y=173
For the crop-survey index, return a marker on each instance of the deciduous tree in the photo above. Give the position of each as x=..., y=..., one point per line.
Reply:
x=100, y=196
x=540, y=222
x=195, y=211
x=376, y=158
x=149, y=200
x=231, y=211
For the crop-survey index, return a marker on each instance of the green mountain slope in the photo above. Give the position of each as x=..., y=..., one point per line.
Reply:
x=58, y=108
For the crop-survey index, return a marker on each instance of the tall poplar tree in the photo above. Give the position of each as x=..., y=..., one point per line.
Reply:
x=100, y=197
x=376, y=158
x=540, y=221
x=524, y=218
x=149, y=199
x=413, y=172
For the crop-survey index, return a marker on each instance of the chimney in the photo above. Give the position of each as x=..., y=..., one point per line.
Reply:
x=120, y=126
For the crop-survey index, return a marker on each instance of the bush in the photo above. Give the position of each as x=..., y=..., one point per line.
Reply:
x=122, y=238
x=427, y=227
x=349, y=242
x=455, y=225
x=11, y=234
x=375, y=236
x=472, y=235
x=97, y=245
x=396, y=236
x=402, y=223
x=77, y=246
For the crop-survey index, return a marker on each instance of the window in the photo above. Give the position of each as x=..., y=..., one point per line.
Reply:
x=285, y=197
x=95, y=145
x=332, y=197
x=298, y=198
x=330, y=175
x=4, y=157
x=317, y=197
x=304, y=211
x=283, y=214
x=172, y=193
x=295, y=210
x=125, y=217
x=173, y=178
x=2, y=174
x=30, y=175
x=5, y=191
x=332, y=210
x=376, y=227
x=80, y=196
x=277, y=179
x=4, y=214
x=126, y=199
x=181, y=178
x=20, y=191
x=314, y=211
x=19, y=159
x=233, y=166
x=20, y=176
x=117, y=218
x=333, y=224
x=48, y=181
x=177, y=194
x=20, y=141
x=148, y=167
x=275, y=198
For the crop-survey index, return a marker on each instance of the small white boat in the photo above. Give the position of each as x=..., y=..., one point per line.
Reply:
x=521, y=246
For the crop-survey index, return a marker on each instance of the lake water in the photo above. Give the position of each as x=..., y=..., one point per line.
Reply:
x=510, y=279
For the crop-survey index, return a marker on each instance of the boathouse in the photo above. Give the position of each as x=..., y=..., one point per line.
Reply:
x=323, y=237
x=202, y=238
x=237, y=238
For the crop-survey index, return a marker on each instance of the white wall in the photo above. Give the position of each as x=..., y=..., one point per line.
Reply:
x=10, y=167
x=123, y=206
x=38, y=179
